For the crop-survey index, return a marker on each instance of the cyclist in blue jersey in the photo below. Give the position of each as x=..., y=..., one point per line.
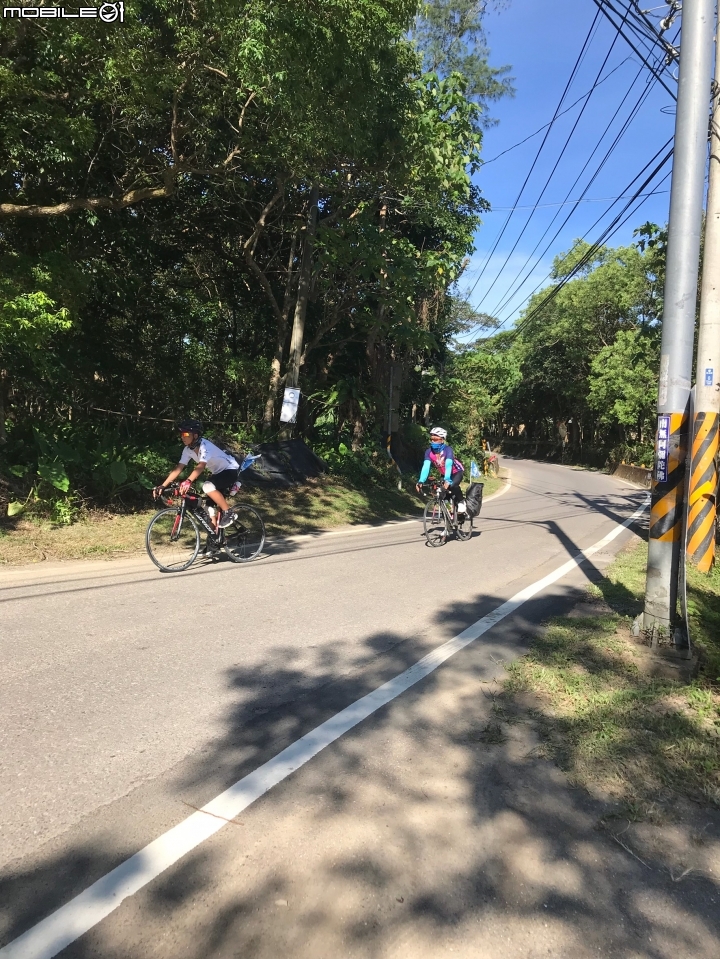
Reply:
x=441, y=456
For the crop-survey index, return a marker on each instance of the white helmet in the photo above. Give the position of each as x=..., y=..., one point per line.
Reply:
x=439, y=431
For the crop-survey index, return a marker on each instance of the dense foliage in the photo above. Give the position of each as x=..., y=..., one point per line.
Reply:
x=177, y=193
x=578, y=375
x=186, y=195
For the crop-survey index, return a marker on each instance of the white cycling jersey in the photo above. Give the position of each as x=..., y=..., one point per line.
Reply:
x=206, y=452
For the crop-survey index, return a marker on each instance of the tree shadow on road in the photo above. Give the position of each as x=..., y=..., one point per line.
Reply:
x=434, y=824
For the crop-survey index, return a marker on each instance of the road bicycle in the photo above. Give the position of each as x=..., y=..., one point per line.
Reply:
x=439, y=520
x=173, y=536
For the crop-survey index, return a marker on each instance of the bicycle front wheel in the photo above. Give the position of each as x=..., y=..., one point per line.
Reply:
x=245, y=537
x=435, y=524
x=172, y=540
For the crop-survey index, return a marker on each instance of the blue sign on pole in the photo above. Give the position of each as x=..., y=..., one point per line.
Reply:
x=709, y=376
x=662, y=449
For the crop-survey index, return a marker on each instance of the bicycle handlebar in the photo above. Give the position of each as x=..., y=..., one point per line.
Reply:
x=169, y=492
x=433, y=484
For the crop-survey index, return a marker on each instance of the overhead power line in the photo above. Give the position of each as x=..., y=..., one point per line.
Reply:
x=671, y=51
x=604, y=7
x=587, y=199
x=514, y=287
x=573, y=73
x=557, y=117
x=612, y=227
x=552, y=172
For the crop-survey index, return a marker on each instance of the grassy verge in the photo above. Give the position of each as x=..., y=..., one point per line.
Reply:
x=605, y=716
x=322, y=504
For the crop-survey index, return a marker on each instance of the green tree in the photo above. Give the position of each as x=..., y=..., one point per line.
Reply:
x=451, y=38
x=623, y=381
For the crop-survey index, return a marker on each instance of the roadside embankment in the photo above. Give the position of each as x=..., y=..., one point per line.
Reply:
x=322, y=503
x=639, y=475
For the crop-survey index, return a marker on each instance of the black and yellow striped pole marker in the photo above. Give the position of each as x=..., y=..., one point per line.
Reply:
x=679, y=299
x=702, y=516
x=703, y=488
x=666, y=521
x=666, y=510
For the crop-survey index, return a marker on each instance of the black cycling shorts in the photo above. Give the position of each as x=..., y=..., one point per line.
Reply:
x=224, y=480
x=455, y=492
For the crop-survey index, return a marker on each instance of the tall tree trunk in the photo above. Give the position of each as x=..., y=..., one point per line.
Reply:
x=3, y=389
x=292, y=376
x=298, y=330
x=281, y=336
x=575, y=433
x=377, y=375
x=358, y=429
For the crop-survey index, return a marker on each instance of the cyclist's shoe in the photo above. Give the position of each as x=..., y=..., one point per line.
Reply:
x=210, y=548
x=227, y=519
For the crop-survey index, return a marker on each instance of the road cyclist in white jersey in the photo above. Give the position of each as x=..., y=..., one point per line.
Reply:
x=223, y=467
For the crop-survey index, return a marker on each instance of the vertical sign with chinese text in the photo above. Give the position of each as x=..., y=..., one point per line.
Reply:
x=661, y=455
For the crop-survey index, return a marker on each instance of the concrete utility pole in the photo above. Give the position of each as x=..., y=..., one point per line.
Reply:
x=676, y=354
x=703, y=471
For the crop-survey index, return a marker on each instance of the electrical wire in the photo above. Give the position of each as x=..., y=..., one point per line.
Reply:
x=671, y=51
x=552, y=172
x=601, y=5
x=588, y=199
x=576, y=67
x=622, y=217
x=517, y=283
x=653, y=68
x=642, y=32
x=633, y=198
x=641, y=28
x=587, y=258
x=557, y=117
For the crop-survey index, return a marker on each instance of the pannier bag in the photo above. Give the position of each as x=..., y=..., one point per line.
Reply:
x=473, y=499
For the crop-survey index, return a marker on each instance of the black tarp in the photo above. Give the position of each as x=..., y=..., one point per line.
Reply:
x=283, y=463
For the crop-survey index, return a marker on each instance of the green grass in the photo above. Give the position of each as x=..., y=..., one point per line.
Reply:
x=606, y=720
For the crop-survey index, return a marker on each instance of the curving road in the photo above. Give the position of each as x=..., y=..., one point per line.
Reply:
x=129, y=699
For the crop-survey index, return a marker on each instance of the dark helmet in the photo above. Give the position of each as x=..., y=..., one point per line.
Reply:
x=191, y=426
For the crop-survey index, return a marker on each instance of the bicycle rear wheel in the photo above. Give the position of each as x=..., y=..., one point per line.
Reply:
x=435, y=524
x=245, y=537
x=464, y=530
x=172, y=540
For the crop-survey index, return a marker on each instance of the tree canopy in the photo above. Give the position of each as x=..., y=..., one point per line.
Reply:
x=183, y=193
x=580, y=368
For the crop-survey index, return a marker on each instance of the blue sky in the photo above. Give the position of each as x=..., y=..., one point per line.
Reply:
x=541, y=42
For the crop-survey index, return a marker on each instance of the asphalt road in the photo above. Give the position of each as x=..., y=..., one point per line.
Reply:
x=129, y=698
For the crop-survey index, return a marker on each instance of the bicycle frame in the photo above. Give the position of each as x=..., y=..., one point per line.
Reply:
x=200, y=514
x=440, y=495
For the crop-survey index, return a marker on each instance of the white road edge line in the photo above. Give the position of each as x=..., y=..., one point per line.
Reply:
x=69, y=922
